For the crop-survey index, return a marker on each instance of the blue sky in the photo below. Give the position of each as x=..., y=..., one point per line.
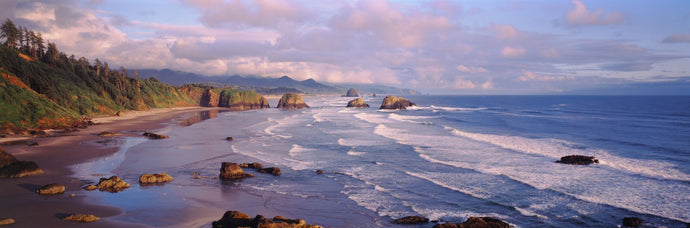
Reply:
x=436, y=46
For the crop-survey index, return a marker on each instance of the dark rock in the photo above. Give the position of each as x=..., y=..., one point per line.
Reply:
x=229, y=138
x=238, y=219
x=577, y=160
x=107, y=133
x=254, y=165
x=119, y=113
x=51, y=189
x=20, y=169
x=32, y=143
x=112, y=184
x=393, y=102
x=272, y=170
x=319, y=171
x=352, y=92
x=6, y=221
x=632, y=221
x=232, y=171
x=83, y=218
x=291, y=101
x=411, y=220
x=37, y=132
x=6, y=158
x=476, y=222
x=155, y=178
x=154, y=136
x=357, y=103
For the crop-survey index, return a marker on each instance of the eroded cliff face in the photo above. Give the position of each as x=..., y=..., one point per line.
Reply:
x=291, y=101
x=393, y=102
x=233, y=99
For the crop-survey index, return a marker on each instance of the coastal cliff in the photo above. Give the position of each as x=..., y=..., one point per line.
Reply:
x=393, y=102
x=291, y=101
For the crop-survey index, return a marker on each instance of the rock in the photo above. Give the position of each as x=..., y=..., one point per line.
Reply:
x=154, y=136
x=357, y=103
x=319, y=171
x=32, y=144
x=194, y=174
x=272, y=170
x=232, y=171
x=254, y=165
x=229, y=138
x=51, y=189
x=72, y=195
x=112, y=184
x=106, y=134
x=238, y=219
x=577, y=160
x=393, y=102
x=373, y=95
x=6, y=221
x=81, y=218
x=411, y=220
x=239, y=100
x=6, y=158
x=291, y=100
x=476, y=222
x=155, y=178
x=119, y=113
x=632, y=221
x=352, y=92
x=20, y=169
x=209, y=99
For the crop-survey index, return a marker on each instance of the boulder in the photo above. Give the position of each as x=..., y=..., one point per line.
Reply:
x=411, y=220
x=229, y=138
x=6, y=158
x=232, y=171
x=577, y=160
x=319, y=171
x=272, y=170
x=238, y=219
x=112, y=184
x=291, y=101
x=106, y=134
x=51, y=189
x=10, y=167
x=155, y=178
x=6, y=221
x=476, y=222
x=352, y=92
x=632, y=222
x=81, y=218
x=154, y=136
x=357, y=103
x=254, y=165
x=393, y=102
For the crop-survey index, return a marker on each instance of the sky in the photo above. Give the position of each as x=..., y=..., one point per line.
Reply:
x=435, y=46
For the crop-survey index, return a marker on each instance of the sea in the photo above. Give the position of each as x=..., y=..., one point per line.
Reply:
x=447, y=159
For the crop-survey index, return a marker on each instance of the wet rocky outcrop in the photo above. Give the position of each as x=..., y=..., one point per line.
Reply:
x=476, y=222
x=578, y=160
x=291, y=101
x=271, y=170
x=357, y=103
x=632, y=222
x=51, y=189
x=411, y=220
x=233, y=99
x=232, y=171
x=254, y=165
x=393, y=102
x=83, y=218
x=154, y=135
x=10, y=167
x=238, y=219
x=112, y=184
x=6, y=221
x=352, y=92
x=108, y=134
x=155, y=178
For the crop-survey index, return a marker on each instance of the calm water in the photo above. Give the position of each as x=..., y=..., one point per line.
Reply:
x=450, y=158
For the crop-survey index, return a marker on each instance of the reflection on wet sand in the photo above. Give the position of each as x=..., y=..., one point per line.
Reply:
x=201, y=116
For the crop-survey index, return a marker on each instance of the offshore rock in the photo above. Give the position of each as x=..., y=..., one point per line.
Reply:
x=357, y=103
x=411, y=220
x=577, y=160
x=238, y=219
x=393, y=102
x=352, y=92
x=51, y=189
x=154, y=135
x=83, y=218
x=291, y=101
x=232, y=171
x=155, y=178
x=476, y=222
x=272, y=170
x=254, y=165
x=112, y=184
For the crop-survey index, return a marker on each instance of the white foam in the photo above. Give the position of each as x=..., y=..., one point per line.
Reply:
x=354, y=142
x=410, y=119
x=296, y=149
x=457, y=109
x=354, y=153
x=376, y=118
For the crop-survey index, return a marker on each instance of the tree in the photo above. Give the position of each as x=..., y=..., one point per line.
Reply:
x=10, y=32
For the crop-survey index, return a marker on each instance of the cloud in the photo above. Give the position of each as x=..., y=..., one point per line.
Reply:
x=580, y=15
x=260, y=13
x=513, y=52
x=472, y=70
x=677, y=38
x=505, y=31
x=531, y=76
x=628, y=66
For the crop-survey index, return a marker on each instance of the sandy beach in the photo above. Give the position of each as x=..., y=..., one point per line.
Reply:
x=55, y=154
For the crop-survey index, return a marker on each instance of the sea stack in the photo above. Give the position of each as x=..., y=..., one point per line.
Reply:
x=393, y=102
x=352, y=92
x=291, y=100
x=357, y=103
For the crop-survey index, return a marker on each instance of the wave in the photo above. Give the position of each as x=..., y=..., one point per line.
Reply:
x=355, y=153
x=457, y=109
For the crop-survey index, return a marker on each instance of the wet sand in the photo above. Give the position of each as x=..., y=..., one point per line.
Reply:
x=56, y=154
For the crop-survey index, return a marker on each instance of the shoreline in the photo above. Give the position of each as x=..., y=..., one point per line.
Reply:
x=55, y=154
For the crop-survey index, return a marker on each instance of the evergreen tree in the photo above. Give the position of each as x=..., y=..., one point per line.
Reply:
x=10, y=32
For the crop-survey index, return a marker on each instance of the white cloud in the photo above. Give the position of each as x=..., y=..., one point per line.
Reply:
x=473, y=70
x=513, y=52
x=580, y=15
x=505, y=31
x=531, y=76
x=677, y=38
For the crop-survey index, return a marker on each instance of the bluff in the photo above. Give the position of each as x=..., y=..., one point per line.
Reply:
x=291, y=100
x=393, y=102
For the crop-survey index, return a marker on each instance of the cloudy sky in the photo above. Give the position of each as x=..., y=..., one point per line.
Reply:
x=435, y=46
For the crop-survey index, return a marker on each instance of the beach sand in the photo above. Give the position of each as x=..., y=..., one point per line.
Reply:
x=55, y=154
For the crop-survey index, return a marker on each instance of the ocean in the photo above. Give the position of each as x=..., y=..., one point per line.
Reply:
x=449, y=158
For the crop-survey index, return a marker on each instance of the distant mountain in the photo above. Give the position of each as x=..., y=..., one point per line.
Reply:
x=265, y=85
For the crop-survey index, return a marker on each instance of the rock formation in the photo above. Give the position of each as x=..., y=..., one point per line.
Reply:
x=577, y=160
x=155, y=178
x=352, y=92
x=154, y=135
x=209, y=99
x=6, y=221
x=291, y=100
x=232, y=171
x=357, y=103
x=393, y=102
x=107, y=134
x=239, y=100
x=272, y=170
x=411, y=220
x=632, y=222
x=254, y=165
x=229, y=138
x=81, y=218
x=476, y=222
x=238, y=219
x=51, y=189
x=112, y=184
x=11, y=168
x=319, y=171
